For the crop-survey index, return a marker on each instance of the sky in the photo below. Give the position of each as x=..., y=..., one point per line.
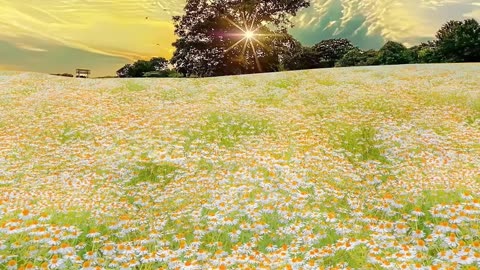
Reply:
x=57, y=36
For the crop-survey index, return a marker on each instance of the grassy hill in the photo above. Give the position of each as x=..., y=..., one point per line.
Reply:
x=370, y=167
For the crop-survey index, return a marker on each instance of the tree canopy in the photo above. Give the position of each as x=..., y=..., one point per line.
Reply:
x=332, y=50
x=141, y=67
x=357, y=57
x=223, y=37
x=394, y=53
x=459, y=41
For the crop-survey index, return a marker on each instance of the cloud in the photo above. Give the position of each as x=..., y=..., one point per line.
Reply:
x=123, y=28
x=29, y=48
x=406, y=21
x=474, y=14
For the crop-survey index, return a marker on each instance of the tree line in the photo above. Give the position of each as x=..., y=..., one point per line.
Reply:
x=210, y=43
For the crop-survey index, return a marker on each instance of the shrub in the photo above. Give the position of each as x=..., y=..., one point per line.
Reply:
x=394, y=53
x=357, y=57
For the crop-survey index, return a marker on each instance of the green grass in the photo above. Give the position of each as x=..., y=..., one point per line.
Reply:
x=129, y=86
x=69, y=133
x=162, y=173
x=326, y=82
x=474, y=111
x=134, y=87
x=80, y=219
x=227, y=129
x=360, y=142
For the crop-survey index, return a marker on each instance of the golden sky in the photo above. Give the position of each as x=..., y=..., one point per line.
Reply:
x=61, y=35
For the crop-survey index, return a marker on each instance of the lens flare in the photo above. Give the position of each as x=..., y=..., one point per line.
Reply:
x=249, y=34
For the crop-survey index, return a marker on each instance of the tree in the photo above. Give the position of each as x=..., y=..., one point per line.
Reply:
x=425, y=53
x=212, y=36
x=159, y=63
x=303, y=58
x=332, y=50
x=155, y=67
x=357, y=57
x=394, y=53
x=459, y=41
x=140, y=67
x=125, y=71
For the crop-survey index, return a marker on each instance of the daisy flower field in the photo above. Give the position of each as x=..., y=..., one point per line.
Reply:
x=345, y=168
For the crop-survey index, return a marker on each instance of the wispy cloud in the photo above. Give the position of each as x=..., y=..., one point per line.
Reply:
x=400, y=20
x=29, y=48
x=123, y=28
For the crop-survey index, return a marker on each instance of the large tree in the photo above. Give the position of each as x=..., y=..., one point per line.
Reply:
x=394, y=53
x=223, y=37
x=332, y=50
x=459, y=41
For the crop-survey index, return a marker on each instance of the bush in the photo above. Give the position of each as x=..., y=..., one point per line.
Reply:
x=357, y=57
x=332, y=50
x=168, y=73
x=305, y=58
x=63, y=75
x=155, y=67
x=394, y=53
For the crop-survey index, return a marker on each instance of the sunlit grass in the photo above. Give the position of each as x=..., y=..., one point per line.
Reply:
x=227, y=129
x=360, y=142
x=162, y=173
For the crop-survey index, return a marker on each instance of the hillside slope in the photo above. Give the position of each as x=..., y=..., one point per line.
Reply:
x=370, y=166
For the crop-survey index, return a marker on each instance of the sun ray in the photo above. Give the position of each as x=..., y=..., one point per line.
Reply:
x=250, y=34
x=234, y=24
x=234, y=45
x=254, y=18
x=244, y=48
x=256, y=57
x=261, y=43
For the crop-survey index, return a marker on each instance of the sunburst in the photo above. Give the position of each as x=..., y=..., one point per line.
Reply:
x=249, y=35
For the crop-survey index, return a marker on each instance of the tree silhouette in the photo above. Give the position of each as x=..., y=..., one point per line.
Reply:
x=332, y=50
x=222, y=37
x=141, y=67
x=459, y=41
x=394, y=53
x=357, y=57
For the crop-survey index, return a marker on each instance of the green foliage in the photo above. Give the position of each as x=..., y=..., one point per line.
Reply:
x=474, y=116
x=304, y=58
x=332, y=50
x=168, y=73
x=162, y=173
x=227, y=129
x=141, y=67
x=394, y=53
x=134, y=87
x=425, y=53
x=361, y=143
x=357, y=57
x=69, y=133
x=201, y=53
x=81, y=219
x=322, y=55
x=459, y=41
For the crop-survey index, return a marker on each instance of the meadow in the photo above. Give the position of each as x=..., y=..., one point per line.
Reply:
x=346, y=168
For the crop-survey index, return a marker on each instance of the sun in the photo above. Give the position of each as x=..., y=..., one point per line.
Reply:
x=248, y=25
x=249, y=34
